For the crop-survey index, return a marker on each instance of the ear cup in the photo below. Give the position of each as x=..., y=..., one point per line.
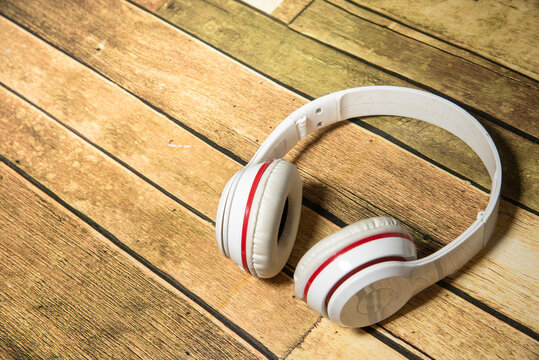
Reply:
x=258, y=216
x=274, y=220
x=353, y=248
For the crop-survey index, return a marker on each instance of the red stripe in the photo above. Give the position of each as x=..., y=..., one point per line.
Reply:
x=247, y=212
x=358, y=269
x=350, y=247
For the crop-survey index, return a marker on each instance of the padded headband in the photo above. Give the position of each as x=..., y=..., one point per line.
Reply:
x=399, y=101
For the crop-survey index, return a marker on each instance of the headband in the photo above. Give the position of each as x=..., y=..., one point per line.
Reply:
x=405, y=102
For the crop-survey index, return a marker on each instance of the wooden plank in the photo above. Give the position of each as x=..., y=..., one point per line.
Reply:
x=315, y=70
x=514, y=246
x=126, y=214
x=239, y=19
x=435, y=69
x=125, y=131
x=166, y=234
x=68, y=292
x=521, y=167
x=289, y=9
x=504, y=31
x=152, y=5
x=150, y=223
x=400, y=28
x=335, y=341
x=449, y=74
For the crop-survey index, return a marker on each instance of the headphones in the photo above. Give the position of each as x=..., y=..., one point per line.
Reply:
x=368, y=270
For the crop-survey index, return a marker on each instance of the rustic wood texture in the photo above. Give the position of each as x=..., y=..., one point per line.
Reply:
x=503, y=97
x=335, y=340
x=316, y=70
x=153, y=225
x=120, y=162
x=107, y=217
x=128, y=207
x=504, y=31
x=151, y=5
x=419, y=35
x=67, y=292
x=167, y=167
x=289, y=9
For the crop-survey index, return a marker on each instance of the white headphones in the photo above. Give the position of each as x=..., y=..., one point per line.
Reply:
x=366, y=271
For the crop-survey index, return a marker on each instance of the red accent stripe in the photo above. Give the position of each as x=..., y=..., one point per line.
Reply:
x=247, y=212
x=358, y=269
x=350, y=247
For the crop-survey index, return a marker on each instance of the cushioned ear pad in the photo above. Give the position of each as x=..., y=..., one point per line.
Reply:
x=339, y=240
x=274, y=219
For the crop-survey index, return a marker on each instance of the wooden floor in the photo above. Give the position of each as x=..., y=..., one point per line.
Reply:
x=121, y=121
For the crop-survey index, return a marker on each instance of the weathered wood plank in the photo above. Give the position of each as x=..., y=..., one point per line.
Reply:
x=447, y=73
x=400, y=28
x=152, y=5
x=166, y=234
x=315, y=70
x=127, y=215
x=68, y=292
x=437, y=70
x=504, y=31
x=288, y=9
x=238, y=19
x=514, y=246
x=124, y=132
x=153, y=225
x=514, y=153
x=334, y=341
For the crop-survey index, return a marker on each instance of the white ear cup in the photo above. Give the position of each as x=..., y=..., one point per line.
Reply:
x=258, y=216
x=276, y=206
x=353, y=248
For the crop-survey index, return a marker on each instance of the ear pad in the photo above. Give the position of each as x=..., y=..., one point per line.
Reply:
x=353, y=248
x=260, y=216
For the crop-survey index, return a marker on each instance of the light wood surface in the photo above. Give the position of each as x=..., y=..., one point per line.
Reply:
x=137, y=125
x=289, y=9
x=505, y=31
x=67, y=290
x=310, y=68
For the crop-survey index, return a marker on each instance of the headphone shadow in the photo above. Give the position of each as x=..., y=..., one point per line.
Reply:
x=309, y=231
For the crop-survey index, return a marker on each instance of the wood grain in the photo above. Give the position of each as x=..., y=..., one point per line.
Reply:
x=136, y=207
x=521, y=169
x=335, y=341
x=152, y=5
x=315, y=69
x=416, y=34
x=435, y=69
x=449, y=74
x=289, y=9
x=166, y=234
x=123, y=139
x=446, y=73
x=147, y=221
x=504, y=31
x=68, y=293
x=221, y=127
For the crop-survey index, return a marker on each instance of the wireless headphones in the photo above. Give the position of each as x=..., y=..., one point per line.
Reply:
x=366, y=271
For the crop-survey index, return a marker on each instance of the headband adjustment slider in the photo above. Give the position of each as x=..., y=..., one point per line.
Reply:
x=301, y=126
